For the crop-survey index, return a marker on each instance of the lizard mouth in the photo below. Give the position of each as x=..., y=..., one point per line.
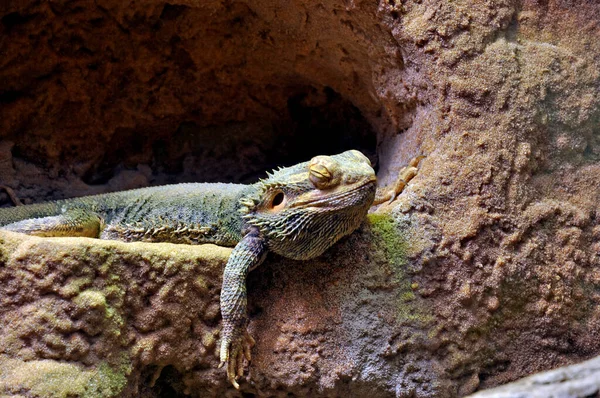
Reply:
x=355, y=195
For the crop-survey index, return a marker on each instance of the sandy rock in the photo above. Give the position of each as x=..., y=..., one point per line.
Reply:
x=85, y=317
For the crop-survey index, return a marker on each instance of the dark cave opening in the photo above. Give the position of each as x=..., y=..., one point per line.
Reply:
x=179, y=95
x=315, y=122
x=168, y=384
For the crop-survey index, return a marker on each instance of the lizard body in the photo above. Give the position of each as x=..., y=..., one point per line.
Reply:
x=181, y=213
x=297, y=212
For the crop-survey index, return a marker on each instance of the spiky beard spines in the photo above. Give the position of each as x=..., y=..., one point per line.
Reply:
x=306, y=233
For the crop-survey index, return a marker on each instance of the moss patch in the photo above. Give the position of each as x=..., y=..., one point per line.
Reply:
x=108, y=381
x=52, y=379
x=392, y=239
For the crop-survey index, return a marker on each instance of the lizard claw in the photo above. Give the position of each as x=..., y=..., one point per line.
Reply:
x=414, y=162
x=233, y=352
x=404, y=176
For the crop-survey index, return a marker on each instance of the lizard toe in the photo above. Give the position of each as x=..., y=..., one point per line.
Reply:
x=408, y=174
x=232, y=371
x=249, y=342
x=235, y=353
x=414, y=162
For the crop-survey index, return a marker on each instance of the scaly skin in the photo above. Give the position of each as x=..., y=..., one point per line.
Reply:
x=297, y=212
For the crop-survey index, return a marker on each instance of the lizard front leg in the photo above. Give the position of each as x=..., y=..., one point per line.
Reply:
x=236, y=342
x=388, y=194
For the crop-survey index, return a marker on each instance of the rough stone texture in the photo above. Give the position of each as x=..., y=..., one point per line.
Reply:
x=486, y=269
x=145, y=317
x=575, y=381
x=93, y=318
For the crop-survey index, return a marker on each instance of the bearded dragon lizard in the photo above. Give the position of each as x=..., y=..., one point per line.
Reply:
x=297, y=212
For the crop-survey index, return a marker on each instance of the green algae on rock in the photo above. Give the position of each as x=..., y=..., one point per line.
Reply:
x=54, y=379
x=394, y=238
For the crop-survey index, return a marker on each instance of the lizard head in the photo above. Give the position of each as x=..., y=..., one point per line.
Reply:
x=304, y=209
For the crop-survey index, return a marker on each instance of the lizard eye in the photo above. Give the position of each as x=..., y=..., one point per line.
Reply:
x=319, y=175
x=278, y=201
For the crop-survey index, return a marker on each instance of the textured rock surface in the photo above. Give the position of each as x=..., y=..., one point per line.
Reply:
x=486, y=269
x=85, y=317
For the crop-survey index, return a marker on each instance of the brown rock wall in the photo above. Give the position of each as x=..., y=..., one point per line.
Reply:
x=482, y=272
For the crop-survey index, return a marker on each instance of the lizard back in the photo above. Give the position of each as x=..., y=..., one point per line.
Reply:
x=189, y=213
